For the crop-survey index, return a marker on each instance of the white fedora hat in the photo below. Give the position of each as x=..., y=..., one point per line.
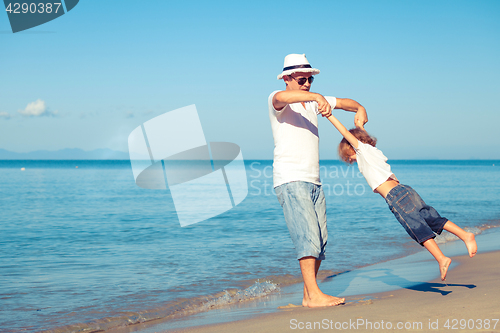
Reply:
x=297, y=63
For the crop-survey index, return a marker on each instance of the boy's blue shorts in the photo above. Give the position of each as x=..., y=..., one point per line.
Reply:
x=420, y=221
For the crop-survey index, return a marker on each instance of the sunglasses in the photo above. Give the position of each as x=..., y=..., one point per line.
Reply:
x=302, y=80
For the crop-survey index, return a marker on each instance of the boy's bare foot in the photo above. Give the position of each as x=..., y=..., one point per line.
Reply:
x=322, y=300
x=470, y=242
x=443, y=267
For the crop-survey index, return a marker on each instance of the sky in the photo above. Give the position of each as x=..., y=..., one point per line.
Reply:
x=427, y=72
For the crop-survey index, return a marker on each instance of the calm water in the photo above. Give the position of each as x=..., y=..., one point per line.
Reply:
x=81, y=246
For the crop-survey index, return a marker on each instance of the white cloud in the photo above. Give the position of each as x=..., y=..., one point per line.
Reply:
x=5, y=115
x=37, y=109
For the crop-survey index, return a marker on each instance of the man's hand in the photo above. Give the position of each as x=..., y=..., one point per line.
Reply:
x=323, y=106
x=361, y=118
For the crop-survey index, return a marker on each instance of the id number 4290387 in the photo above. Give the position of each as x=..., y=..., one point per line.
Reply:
x=471, y=324
x=32, y=7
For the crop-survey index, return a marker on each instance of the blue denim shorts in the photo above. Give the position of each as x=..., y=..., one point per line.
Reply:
x=420, y=221
x=304, y=207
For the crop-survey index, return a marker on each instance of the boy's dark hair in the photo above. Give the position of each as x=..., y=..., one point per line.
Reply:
x=345, y=149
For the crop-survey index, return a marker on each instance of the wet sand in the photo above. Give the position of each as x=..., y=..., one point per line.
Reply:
x=404, y=294
x=469, y=300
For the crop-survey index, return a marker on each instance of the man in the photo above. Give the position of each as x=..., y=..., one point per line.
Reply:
x=293, y=114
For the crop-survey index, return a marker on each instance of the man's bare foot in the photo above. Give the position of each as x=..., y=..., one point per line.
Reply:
x=443, y=267
x=322, y=300
x=470, y=242
x=306, y=297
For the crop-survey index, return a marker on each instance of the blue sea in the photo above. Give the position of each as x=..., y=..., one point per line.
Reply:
x=83, y=248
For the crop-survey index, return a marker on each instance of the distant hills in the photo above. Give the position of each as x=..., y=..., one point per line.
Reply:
x=65, y=154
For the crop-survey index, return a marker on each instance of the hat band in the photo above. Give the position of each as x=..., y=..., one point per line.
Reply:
x=296, y=66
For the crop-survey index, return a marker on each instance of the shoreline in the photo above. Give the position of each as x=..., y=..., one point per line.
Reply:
x=417, y=273
x=466, y=301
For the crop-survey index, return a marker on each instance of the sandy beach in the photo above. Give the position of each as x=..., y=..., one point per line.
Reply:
x=468, y=301
x=403, y=294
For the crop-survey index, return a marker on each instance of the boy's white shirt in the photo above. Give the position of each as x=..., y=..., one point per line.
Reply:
x=296, y=141
x=372, y=163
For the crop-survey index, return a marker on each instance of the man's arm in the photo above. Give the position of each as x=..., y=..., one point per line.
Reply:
x=361, y=118
x=282, y=98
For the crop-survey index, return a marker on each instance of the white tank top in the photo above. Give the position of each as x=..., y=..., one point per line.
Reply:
x=372, y=163
x=296, y=142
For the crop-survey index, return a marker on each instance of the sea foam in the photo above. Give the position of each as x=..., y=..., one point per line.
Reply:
x=257, y=290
